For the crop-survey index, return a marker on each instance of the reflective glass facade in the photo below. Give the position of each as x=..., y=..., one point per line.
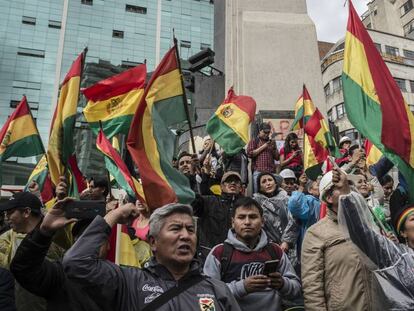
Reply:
x=122, y=32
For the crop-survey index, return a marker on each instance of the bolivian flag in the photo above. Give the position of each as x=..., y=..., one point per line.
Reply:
x=229, y=126
x=118, y=169
x=373, y=101
x=304, y=109
x=121, y=250
x=114, y=101
x=321, y=143
x=60, y=146
x=19, y=136
x=40, y=175
x=372, y=152
x=150, y=141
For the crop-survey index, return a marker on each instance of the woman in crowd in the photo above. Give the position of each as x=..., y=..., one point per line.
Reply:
x=279, y=224
x=141, y=223
x=291, y=155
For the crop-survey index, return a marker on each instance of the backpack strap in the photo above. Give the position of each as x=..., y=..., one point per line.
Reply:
x=225, y=258
x=173, y=292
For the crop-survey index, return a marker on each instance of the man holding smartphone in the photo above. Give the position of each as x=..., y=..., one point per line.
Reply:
x=256, y=270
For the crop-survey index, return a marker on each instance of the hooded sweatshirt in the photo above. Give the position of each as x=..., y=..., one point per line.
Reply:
x=246, y=262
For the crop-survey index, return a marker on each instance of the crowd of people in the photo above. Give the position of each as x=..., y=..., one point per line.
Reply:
x=344, y=241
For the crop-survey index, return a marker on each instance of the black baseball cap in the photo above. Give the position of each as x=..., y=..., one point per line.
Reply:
x=22, y=200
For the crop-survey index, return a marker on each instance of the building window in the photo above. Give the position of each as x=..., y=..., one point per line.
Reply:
x=28, y=20
x=330, y=116
x=327, y=89
x=412, y=86
x=185, y=44
x=390, y=50
x=87, y=2
x=31, y=52
x=409, y=27
x=128, y=64
x=401, y=84
x=55, y=24
x=340, y=47
x=26, y=85
x=32, y=105
x=378, y=46
x=117, y=34
x=135, y=9
x=408, y=54
x=204, y=46
x=406, y=7
x=340, y=110
x=337, y=84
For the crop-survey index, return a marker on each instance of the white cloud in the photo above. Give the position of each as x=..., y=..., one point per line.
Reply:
x=330, y=17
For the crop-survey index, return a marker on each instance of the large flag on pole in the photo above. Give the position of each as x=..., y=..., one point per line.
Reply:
x=373, y=102
x=60, y=147
x=304, y=109
x=113, y=101
x=19, y=136
x=229, y=126
x=118, y=169
x=151, y=142
x=321, y=142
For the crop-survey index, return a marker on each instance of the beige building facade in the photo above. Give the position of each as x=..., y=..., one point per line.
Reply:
x=391, y=16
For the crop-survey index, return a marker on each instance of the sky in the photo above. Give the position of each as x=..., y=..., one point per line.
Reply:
x=330, y=17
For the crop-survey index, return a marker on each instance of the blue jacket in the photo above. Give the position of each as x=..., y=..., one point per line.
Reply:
x=305, y=208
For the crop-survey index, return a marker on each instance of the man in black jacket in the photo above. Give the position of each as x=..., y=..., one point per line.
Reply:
x=214, y=213
x=6, y=291
x=47, y=279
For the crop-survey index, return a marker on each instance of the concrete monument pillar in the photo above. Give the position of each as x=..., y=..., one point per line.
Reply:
x=268, y=49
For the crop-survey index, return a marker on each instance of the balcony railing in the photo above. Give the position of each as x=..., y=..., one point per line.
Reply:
x=338, y=56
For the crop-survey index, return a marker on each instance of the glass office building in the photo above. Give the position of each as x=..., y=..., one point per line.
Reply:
x=39, y=39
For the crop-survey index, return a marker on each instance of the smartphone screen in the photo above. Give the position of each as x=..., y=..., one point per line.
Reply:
x=270, y=266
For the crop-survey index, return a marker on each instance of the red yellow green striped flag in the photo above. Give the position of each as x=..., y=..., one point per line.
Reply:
x=150, y=141
x=60, y=146
x=304, y=109
x=321, y=142
x=373, y=101
x=118, y=169
x=121, y=250
x=372, y=152
x=40, y=175
x=19, y=136
x=113, y=101
x=229, y=126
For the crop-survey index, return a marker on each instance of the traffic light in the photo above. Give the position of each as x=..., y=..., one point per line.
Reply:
x=201, y=60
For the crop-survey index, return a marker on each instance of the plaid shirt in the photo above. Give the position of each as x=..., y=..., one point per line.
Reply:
x=265, y=160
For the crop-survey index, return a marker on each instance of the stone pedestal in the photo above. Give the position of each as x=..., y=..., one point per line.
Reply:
x=268, y=49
